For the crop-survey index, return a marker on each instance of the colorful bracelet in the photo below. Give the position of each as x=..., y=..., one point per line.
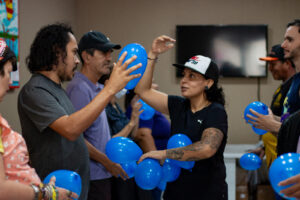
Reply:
x=36, y=192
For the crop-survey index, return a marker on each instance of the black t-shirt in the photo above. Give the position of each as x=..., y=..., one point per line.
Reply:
x=41, y=102
x=206, y=181
x=279, y=96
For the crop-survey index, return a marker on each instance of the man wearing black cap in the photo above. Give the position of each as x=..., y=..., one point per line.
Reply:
x=50, y=125
x=95, y=51
x=281, y=69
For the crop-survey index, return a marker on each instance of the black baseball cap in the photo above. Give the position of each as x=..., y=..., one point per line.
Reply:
x=96, y=40
x=202, y=65
x=6, y=54
x=277, y=53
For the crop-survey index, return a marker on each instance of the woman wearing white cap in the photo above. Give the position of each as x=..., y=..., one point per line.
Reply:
x=200, y=115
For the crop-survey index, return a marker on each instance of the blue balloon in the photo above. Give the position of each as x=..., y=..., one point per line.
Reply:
x=148, y=174
x=170, y=172
x=66, y=179
x=259, y=131
x=138, y=50
x=162, y=185
x=129, y=168
x=148, y=112
x=250, y=161
x=283, y=167
x=258, y=107
x=122, y=150
x=180, y=140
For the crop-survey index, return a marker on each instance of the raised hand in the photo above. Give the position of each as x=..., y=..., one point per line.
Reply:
x=161, y=44
x=120, y=76
x=136, y=106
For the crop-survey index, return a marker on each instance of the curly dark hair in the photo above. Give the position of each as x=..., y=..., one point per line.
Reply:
x=296, y=22
x=49, y=43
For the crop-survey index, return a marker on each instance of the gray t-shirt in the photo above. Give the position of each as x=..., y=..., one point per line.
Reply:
x=41, y=101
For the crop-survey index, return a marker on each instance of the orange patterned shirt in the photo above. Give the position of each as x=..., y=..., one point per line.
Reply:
x=15, y=156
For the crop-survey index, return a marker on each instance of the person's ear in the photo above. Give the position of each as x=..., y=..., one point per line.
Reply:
x=85, y=56
x=209, y=83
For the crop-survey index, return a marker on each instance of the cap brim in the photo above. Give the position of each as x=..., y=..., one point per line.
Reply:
x=109, y=46
x=268, y=58
x=181, y=66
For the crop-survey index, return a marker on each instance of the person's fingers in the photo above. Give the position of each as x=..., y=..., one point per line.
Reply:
x=141, y=158
x=289, y=181
x=133, y=68
x=121, y=59
x=52, y=180
x=128, y=61
x=254, y=113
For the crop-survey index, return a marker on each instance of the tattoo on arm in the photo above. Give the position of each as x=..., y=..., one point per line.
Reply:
x=211, y=136
x=175, y=154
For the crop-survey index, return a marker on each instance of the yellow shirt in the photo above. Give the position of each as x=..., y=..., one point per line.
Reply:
x=270, y=143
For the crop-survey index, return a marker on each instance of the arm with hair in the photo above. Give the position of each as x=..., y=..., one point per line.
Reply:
x=203, y=149
x=265, y=122
x=113, y=168
x=156, y=99
x=71, y=126
x=145, y=140
x=132, y=126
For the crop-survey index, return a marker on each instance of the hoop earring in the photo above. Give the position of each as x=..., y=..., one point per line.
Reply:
x=206, y=88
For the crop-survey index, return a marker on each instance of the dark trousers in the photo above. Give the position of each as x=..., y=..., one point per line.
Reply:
x=128, y=190
x=100, y=189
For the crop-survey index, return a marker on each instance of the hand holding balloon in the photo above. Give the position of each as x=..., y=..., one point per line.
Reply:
x=139, y=52
x=253, y=114
x=282, y=170
x=158, y=155
x=177, y=141
x=66, y=179
x=120, y=76
x=61, y=192
x=294, y=189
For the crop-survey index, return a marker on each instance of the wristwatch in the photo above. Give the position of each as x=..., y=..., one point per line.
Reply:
x=36, y=192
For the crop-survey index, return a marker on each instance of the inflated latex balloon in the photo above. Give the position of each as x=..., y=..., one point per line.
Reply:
x=66, y=179
x=180, y=140
x=148, y=174
x=283, y=167
x=259, y=107
x=170, y=172
x=122, y=150
x=130, y=168
x=258, y=131
x=162, y=185
x=138, y=50
x=148, y=111
x=250, y=161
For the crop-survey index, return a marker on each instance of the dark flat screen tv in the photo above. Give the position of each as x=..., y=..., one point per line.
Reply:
x=235, y=48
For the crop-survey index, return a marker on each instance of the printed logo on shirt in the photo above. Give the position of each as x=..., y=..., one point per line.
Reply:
x=200, y=121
